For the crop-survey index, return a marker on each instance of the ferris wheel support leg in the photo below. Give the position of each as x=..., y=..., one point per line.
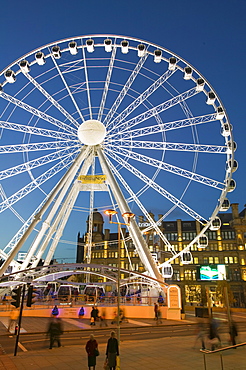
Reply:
x=134, y=231
x=85, y=167
x=71, y=172
x=62, y=220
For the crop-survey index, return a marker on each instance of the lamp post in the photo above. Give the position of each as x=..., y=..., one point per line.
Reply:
x=128, y=215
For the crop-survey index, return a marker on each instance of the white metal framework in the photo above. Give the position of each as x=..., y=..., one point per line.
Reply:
x=115, y=106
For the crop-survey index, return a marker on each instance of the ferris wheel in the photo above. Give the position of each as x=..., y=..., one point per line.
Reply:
x=107, y=121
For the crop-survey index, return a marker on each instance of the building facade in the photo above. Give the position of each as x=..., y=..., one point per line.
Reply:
x=226, y=246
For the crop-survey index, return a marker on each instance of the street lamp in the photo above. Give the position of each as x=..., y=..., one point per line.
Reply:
x=128, y=216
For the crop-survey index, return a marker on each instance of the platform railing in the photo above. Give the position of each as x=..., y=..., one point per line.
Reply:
x=83, y=300
x=219, y=350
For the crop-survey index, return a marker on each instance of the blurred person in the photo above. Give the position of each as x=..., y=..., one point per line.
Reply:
x=81, y=313
x=13, y=319
x=138, y=298
x=159, y=321
x=200, y=332
x=55, y=329
x=103, y=318
x=55, y=311
x=112, y=351
x=160, y=300
x=94, y=314
x=90, y=348
x=214, y=334
x=233, y=332
x=156, y=311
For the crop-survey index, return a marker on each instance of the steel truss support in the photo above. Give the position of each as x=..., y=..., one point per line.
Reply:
x=68, y=175
x=135, y=233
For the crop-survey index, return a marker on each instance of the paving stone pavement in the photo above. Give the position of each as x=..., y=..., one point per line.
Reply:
x=165, y=353
x=176, y=353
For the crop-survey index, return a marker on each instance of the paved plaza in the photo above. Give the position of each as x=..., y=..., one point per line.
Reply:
x=165, y=353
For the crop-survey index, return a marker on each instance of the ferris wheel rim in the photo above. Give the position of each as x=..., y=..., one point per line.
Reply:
x=117, y=37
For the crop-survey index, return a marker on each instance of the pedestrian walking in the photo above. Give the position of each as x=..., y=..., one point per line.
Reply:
x=92, y=352
x=103, y=318
x=156, y=311
x=93, y=316
x=112, y=351
x=214, y=334
x=158, y=317
x=233, y=332
x=13, y=320
x=55, y=329
x=200, y=333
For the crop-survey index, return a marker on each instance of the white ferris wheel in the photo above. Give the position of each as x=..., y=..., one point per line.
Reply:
x=133, y=115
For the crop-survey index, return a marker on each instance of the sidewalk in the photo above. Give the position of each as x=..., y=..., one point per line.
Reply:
x=165, y=353
x=39, y=324
x=175, y=353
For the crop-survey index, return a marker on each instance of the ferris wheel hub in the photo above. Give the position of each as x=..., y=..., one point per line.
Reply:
x=91, y=132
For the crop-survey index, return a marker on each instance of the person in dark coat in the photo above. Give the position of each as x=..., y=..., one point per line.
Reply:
x=90, y=347
x=55, y=329
x=112, y=351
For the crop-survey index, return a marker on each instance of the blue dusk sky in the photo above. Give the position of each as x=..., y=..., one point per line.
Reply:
x=210, y=35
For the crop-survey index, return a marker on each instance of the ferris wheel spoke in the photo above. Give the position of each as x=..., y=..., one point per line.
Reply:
x=163, y=127
x=4, y=196
x=87, y=83
x=135, y=144
x=140, y=205
x=35, y=183
x=156, y=187
x=154, y=111
x=51, y=99
x=29, y=165
x=20, y=148
x=37, y=112
x=124, y=90
x=68, y=89
x=140, y=99
x=169, y=168
x=106, y=85
x=37, y=131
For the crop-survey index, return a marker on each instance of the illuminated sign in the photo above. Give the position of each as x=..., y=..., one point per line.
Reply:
x=212, y=272
x=92, y=179
x=147, y=224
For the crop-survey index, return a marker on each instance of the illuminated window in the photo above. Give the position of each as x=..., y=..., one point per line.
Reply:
x=211, y=260
x=226, y=260
x=188, y=236
x=171, y=236
x=230, y=259
x=235, y=260
x=212, y=235
x=228, y=234
x=196, y=260
x=244, y=274
x=188, y=274
x=213, y=246
x=216, y=260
